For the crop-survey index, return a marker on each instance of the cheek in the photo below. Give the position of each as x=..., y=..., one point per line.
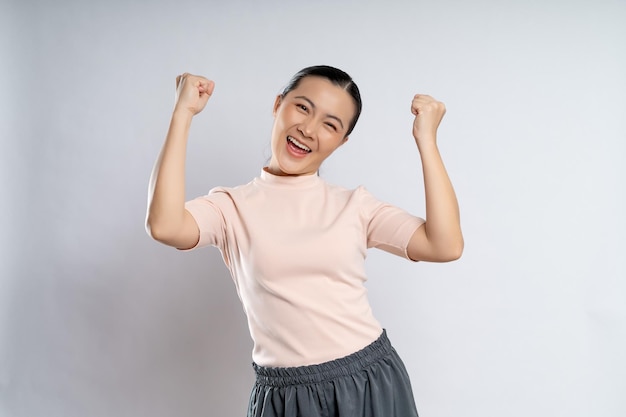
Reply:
x=276, y=134
x=279, y=124
x=285, y=115
x=330, y=143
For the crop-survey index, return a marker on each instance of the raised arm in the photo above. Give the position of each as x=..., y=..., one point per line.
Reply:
x=440, y=238
x=167, y=221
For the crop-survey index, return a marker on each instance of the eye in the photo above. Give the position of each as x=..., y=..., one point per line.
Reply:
x=332, y=126
x=302, y=107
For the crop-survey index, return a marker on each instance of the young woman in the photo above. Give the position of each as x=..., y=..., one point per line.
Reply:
x=296, y=245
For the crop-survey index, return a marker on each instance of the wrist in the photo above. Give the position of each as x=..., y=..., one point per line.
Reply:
x=182, y=116
x=426, y=144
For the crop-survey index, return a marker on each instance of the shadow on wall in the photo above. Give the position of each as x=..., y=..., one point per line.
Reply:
x=139, y=329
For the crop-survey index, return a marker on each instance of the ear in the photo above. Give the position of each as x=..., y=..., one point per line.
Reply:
x=344, y=141
x=277, y=102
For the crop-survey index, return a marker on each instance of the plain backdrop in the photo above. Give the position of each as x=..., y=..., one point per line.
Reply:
x=96, y=319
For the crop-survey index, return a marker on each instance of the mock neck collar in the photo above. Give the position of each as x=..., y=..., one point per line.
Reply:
x=289, y=180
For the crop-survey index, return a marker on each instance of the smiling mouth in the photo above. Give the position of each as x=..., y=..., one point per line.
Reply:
x=300, y=146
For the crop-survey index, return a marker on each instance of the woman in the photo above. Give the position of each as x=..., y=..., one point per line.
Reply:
x=295, y=246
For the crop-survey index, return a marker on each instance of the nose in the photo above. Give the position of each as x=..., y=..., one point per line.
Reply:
x=307, y=127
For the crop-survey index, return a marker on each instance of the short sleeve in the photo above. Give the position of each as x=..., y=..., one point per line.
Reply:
x=208, y=212
x=388, y=227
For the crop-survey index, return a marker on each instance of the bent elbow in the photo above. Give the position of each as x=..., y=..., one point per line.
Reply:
x=172, y=233
x=153, y=232
x=456, y=251
x=455, y=255
x=156, y=231
x=451, y=252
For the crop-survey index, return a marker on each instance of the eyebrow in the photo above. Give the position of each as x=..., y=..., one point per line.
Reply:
x=313, y=107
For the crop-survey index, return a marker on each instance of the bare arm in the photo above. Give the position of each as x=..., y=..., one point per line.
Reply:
x=167, y=221
x=440, y=239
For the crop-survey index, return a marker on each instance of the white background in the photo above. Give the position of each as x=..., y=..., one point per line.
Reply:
x=96, y=319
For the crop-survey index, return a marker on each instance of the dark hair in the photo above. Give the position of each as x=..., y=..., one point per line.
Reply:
x=335, y=76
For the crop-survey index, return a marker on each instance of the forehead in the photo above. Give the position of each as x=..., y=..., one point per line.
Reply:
x=326, y=96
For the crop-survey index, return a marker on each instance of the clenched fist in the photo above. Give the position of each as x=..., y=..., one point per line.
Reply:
x=192, y=93
x=428, y=114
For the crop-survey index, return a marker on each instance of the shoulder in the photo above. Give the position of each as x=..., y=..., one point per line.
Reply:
x=359, y=199
x=220, y=198
x=355, y=195
x=359, y=190
x=234, y=191
x=365, y=197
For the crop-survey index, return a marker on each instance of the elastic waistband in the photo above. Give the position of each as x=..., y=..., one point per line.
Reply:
x=348, y=365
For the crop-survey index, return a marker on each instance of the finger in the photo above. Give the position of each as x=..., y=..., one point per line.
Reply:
x=423, y=102
x=207, y=87
x=416, y=107
x=417, y=102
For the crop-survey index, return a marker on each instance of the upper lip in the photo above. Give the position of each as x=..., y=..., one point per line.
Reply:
x=300, y=141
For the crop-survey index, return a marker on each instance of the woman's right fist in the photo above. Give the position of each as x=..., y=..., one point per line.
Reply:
x=192, y=93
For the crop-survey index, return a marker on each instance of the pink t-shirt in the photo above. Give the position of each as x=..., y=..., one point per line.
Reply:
x=295, y=247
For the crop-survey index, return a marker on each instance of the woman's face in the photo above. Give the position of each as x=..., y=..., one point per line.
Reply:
x=310, y=122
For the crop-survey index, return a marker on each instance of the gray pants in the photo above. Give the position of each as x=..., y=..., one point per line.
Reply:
x=372, y=382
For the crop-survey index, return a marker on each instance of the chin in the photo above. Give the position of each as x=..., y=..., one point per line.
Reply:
x=293, y=171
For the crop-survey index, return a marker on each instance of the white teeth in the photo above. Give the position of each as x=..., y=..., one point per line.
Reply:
x=298, y=144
